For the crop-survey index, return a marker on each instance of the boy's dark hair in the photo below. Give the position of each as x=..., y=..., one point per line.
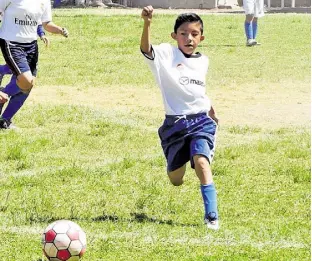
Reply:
x=188, y=18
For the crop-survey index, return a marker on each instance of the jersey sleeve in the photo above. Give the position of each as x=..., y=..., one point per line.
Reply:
x=47, y=13
x=160, y=54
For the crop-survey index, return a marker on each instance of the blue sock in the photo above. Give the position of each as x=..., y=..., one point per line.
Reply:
x=248, y=30
x=5, y=69
x=254, y=29
x=11, y=88
x=15, y=103
x=210, y=201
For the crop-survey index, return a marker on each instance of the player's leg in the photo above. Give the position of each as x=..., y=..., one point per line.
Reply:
x=174, y=146
x=10, y=89
x=254, y=27
x=25, y=81
x=4, y=69
x=249, y=7
x=201, y=149
x=22, y=60
x=249, y=29
x=16, y=102
x=259, y=12
x=176, y=176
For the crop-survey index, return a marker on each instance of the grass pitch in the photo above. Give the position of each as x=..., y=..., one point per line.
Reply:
x=88, y=149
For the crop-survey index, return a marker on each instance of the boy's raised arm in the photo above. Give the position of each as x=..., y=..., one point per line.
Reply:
x=147, y=14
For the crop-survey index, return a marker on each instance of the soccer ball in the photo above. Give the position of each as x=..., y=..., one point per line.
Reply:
x=64, y=240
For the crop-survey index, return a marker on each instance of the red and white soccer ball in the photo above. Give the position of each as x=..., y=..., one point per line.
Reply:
x=64, y=240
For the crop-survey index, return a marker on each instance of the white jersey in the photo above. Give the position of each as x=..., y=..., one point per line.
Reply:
x=22, y=17
x=254, y=7
x=182, y=80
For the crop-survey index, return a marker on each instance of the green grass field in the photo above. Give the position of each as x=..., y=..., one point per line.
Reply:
x=87, y=148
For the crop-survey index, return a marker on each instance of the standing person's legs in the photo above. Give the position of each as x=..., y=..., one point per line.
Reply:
x=249, y=7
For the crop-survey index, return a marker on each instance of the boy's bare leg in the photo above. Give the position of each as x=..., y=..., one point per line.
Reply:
x=202, y=169
x=176, y=176
x=204, y=174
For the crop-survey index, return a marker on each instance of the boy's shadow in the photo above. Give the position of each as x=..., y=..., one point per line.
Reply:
x=141, y=218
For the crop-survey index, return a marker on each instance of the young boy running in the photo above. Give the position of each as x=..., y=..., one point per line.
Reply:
x=188, y=133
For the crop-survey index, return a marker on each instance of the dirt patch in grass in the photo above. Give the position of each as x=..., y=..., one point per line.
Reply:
x=275, y=106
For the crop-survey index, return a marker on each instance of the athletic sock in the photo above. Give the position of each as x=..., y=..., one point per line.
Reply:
x=210, y=201
x=11, y=88
x=5, y=69
x=254, y=29
x=248, y=30
x=15, y=103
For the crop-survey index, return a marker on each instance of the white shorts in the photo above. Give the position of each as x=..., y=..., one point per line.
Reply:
x=254, y=7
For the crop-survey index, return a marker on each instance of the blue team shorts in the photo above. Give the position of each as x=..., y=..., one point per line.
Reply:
x=184, y=136
x=20, y=57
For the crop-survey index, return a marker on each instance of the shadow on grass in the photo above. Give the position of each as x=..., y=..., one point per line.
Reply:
x=141, y=218
x=135, y=217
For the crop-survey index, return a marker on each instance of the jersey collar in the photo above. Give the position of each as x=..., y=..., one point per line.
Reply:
x=193, y=55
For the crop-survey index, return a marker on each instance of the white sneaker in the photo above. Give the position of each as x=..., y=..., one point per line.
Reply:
x=251, y=42
x=212, y=224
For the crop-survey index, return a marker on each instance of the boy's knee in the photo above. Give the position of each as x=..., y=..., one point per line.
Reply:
x=176, y=183
x=25, y=82
x=201, y=161
x=25, y=86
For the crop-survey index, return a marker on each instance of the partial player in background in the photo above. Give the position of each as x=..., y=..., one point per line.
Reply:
x=17, y=100
x=5, y=69
x=18, y=42
x=188, y=133
x=254, y=9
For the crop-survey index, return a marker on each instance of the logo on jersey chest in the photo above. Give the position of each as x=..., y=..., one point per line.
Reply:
x=186, y=81
x=28, y=21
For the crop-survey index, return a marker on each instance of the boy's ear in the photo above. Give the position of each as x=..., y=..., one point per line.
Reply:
x=174, y=36
x=202, y=38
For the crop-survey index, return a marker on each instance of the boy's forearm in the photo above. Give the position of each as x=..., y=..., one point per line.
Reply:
x=145, y=39
x=52, y=28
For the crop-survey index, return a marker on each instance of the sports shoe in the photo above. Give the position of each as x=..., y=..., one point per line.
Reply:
x=212, y=221
x=8, y=125
x=251, y=42
x=212, y=224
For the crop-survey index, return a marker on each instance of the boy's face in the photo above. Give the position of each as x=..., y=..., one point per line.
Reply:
x=188, y=37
